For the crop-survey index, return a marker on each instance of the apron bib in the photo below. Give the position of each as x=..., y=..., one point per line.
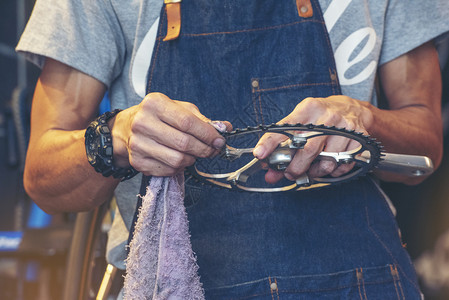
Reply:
x=251, y=62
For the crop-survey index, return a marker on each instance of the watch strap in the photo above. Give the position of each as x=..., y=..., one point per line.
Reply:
x=99, y=149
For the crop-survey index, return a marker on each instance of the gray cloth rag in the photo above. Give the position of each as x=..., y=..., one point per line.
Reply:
x=161, y=263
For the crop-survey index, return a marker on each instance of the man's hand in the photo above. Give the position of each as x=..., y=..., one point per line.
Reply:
x=158, y=137
x=412, y=124
x=161, y=136
x=339, y=111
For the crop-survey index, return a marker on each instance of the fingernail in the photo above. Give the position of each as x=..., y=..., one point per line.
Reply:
x=218, y=143
x=259, y=152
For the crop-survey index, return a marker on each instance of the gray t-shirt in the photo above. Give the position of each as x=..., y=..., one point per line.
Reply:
x=112, y=41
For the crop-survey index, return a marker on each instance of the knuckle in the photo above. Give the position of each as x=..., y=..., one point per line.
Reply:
x=136, y=126
x=154, y=96
x=152, y=101
x=295, y=173
x=295, y=170
x=327, y=167
x=136, y=163
x=345, y=98
x=350, y=125
x=209, y=134
x=190, y=106
x=186, y=122
x=205, y=135
x=149, y=101
x=133, y=145
x=307, y=101
x=178, y=160
x=207, y=152
x=138, y=123
x=312, y=103
x=333, y=119
x=182, y=142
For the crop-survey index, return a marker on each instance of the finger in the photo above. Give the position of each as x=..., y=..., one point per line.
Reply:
x=325, y=166
x=156, y=168
x=303, y=158
x=196, y=125
x=172, y=138
x=220, y=126
x=346, y=168
x=342, y=169
x=335, y=144
x=147, y=153
x=273, y=176
x=267, y=143
x=186, y=118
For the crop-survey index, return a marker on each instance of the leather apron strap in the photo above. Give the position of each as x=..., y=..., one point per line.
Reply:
x=173, y=11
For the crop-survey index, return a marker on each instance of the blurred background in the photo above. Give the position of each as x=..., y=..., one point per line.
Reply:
x=36, y=257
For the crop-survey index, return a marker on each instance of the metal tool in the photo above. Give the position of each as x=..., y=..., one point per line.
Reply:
x=236, y=167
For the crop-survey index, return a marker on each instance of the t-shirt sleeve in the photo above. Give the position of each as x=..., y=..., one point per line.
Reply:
x=411, y=23
x=83, y=34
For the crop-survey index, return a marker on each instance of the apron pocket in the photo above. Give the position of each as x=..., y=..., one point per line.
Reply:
x=275, y=97
x=361, y=283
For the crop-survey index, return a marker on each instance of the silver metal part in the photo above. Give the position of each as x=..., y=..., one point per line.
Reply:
x=409, y=165
x=365, y=158
x=232, y=153
x=281, y=158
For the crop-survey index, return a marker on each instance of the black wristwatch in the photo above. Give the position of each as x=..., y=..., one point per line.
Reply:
x=98, y=140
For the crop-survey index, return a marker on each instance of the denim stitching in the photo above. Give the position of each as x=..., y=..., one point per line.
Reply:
x=277, y=288
x=394, y=281
x=385, y=246
x=317, y=290
x=257, y=281
x=260, y=109
x=153, y=63
x=293, y=85
x=335, y=87
x=253, y=98
x=334, y=289
x=249, y=30
x=363, y=283
x=335, y=83
x=358, y=283
x=269, y=285
x=400, y=287
x=397, y=281
x=271, y=290
x=249, y=296
x=377, y=188
x=387, y=249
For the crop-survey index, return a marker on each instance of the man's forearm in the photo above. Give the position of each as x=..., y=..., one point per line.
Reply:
x=412, y=87
x=58, y=176
x=413, y=130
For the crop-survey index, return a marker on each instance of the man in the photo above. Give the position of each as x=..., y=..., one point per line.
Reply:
x=99, y=48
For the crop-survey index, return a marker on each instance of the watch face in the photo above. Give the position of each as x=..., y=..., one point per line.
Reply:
x=92, y=144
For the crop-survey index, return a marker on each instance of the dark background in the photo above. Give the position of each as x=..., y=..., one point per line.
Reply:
x=422, y=210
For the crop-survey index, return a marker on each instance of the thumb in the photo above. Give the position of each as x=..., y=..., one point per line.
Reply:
x=267, y=143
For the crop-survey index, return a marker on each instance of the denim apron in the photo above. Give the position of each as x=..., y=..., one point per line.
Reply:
x=251, y=62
